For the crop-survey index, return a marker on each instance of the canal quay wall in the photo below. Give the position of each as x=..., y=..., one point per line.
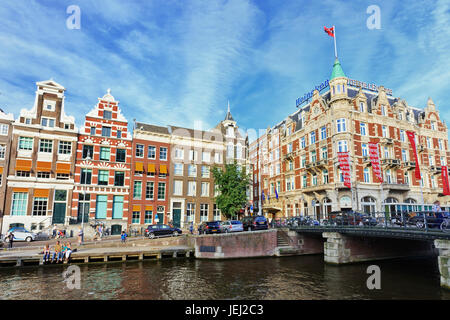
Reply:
x=265, y=243
x=444, y=261
x=343, y=249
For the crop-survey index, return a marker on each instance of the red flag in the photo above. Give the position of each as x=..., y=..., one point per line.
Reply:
x=446, y=187
x=375, y=160
x=330, y=31
x=344, y=164
x=412, y=141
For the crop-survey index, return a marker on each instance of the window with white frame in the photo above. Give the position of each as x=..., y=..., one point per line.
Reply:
x=139, y=150
x=443, y=162
x=230, y=151
x=341, y=125
x=206, y=156
x=19, y=204
x=404, y=155
x=312, y=137
x=323, y=133
x=45, y=145
x=178, y=169
x=383, y=110
x=384, y=131
x=192, y=170
x=204, y=212
x=217, y=157
x=406, y=177
x=440, y=144
x=313, y=156
x=386, y=152
x=430, y=160
x=190, y=211
x=163, y=153
x=4, y=129
x=366, y=175
x=302, y=161
x=433, y=125
x=25, y=143
x=362, y=127
x=47, y=122
x=205, y=189
x=150, y=190
x=65, y=147
x=289, y=147
x=402, y=135
x=179, y=153
x=361, y=107
x=161, y=190
x=238, y=151
x=365, y=150
x=428, y=143
x=303, y=142
x=192, y=188
x=324, y=154
x=277, y=169
x=342, y=146
x=151, y=152
x=2, y=151
x=177, y=187
x=39, y=206
x=216, y=213
x=205, y=171
x=325, y=176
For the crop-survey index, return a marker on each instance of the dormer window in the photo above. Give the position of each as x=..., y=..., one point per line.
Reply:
x=433, y=125
x=361, y=107
x=66, y=126
x=47, y=122
x=107, y=115
x=230, y=131
x=400, y=116
x=27, y=120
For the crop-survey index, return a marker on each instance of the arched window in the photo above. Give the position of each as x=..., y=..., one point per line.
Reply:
x=391, y=200
x=368, y=204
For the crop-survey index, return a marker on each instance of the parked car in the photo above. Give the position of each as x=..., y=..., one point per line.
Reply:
x=160, y=230
x=433, y=220
x=209, y=227
x=21, y=234
x=346, y=218
x=232, y=226
x=255, y=223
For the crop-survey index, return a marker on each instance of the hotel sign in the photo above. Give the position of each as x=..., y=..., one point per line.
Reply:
x=350, y=82
x=309, y=95
x=367, y=86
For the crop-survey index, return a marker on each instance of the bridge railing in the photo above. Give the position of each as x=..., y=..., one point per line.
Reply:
x=424, y=221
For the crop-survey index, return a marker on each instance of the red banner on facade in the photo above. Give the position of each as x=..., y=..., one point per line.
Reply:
x=375, y=160
x=446, y=190
x=344, y=164
x=412, y=141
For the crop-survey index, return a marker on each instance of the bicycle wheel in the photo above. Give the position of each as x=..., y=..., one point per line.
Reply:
x=445, y=226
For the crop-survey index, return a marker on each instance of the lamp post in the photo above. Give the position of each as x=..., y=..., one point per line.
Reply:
x=84, y=197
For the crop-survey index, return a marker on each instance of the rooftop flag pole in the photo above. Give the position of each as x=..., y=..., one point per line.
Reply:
x=335, y=48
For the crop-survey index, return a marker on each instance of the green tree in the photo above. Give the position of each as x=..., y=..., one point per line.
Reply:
x=232, y=185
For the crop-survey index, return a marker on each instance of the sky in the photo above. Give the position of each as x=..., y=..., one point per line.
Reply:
x=179, y=62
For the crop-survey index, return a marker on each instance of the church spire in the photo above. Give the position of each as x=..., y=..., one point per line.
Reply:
x=229, y=116
x=337, y=70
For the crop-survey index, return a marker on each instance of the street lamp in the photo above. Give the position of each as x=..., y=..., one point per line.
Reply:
x=84, y=197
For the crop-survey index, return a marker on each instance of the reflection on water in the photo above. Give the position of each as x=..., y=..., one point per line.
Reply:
x=304, y=277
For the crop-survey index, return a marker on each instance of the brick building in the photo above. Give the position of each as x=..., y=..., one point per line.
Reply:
x=40, y=176
x=103, y=166
x=346, y=117
x=150, y=176
x=5, y=149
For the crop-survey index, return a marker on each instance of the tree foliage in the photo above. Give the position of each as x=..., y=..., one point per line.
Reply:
x=232, y=185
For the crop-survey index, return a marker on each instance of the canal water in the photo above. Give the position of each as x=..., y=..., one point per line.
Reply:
x=284, y=278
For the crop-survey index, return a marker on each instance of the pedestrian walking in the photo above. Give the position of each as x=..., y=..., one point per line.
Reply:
x=191, y=228
x=10, y=238
x=54, y=231
x=123, y=237
x=80, y=236
x=100, y=231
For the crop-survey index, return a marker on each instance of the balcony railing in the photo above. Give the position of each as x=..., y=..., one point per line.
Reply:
x=395, y=186
x=390, y=162
x=410, y=164
x=387, y=140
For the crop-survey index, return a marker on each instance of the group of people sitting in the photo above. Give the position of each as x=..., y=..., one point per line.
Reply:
x=62, y=252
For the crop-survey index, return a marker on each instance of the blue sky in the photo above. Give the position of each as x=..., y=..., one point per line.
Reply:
x=177, y=62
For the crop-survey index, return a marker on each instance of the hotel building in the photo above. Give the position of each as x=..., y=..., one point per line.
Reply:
x=347, y=117
x=41, y=173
